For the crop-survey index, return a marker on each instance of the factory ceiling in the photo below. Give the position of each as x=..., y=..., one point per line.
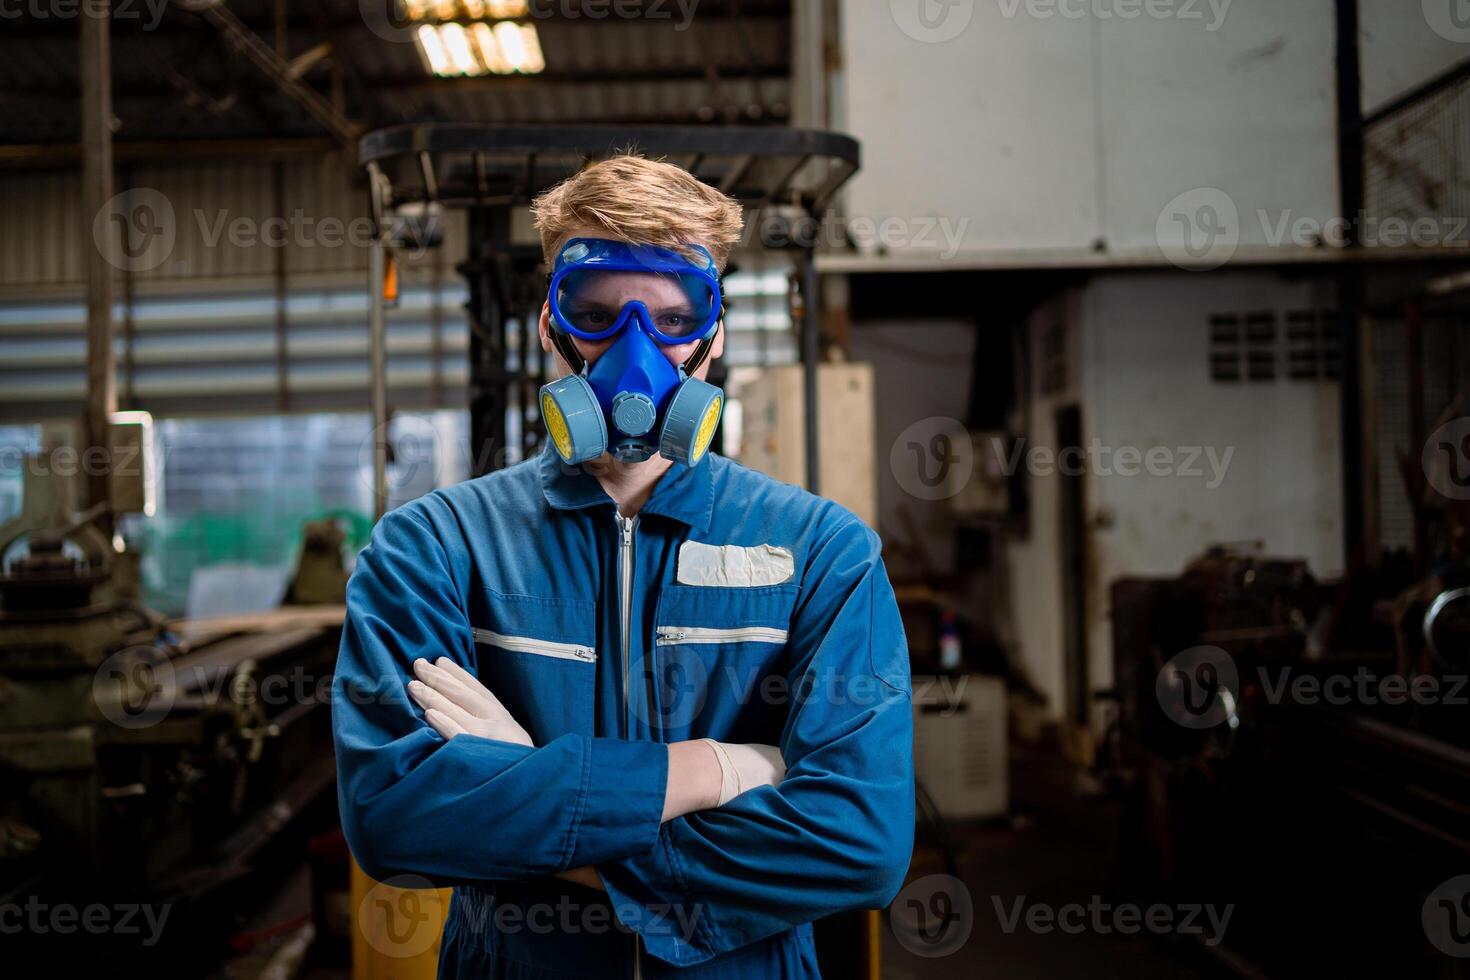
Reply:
x=302, y=75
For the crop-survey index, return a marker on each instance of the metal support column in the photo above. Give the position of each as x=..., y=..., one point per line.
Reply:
x=96, y=79
x=1350, y=291
x=810, y=353
x=377, y=272
x=489, y=379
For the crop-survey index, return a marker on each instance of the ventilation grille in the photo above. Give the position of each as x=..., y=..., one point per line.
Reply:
x=1252, y=347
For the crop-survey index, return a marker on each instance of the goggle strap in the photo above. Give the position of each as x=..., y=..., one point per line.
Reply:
x=700, y=353
x=568, y=350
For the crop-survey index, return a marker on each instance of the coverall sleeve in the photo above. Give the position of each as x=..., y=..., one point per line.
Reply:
x=837, y=833
x=469, y=808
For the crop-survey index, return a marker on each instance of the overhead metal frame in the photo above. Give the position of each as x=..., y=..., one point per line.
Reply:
x=488, y=170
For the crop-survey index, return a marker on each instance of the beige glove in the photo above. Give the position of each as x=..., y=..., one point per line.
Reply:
x=744, y=767
x=456, y=703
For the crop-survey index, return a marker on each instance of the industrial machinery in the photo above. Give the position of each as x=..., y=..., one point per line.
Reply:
x=1287, y=748
x=143, y=761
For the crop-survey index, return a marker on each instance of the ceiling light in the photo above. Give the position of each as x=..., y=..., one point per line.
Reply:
x=521, y=46
x=433, y=50
x=457, y=43
x=490, y=49
x=535, y=63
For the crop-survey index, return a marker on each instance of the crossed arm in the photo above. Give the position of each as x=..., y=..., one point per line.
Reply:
x=703, y=774
x=834, y=833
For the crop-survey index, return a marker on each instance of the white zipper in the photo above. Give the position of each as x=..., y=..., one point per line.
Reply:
x=671, y=635
x=530, y=644
x=625, y=570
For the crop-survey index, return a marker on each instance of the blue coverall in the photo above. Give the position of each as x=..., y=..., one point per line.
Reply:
x=578, y=621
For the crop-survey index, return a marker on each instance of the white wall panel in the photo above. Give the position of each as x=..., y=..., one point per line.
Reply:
x=1048, y=131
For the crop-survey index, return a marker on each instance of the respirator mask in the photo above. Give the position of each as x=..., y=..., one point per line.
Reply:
x=632, y=402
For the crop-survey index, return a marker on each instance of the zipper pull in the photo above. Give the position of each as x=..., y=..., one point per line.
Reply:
x=671, y=634
x=583, y=654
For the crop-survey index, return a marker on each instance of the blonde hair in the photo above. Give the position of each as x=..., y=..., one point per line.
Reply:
x=644, y=202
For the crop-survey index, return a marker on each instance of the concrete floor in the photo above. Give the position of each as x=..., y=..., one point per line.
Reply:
x=1058, y=847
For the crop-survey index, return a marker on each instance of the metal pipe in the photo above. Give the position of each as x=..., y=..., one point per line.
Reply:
x=377, y=272
x=97, y=188
x=809, y=354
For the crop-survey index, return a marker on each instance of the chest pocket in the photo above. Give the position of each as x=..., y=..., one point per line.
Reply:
x=537, y=655
x=714, y=649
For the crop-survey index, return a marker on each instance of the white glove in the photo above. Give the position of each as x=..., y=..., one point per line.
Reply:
x=456, y=703
x=744, y=767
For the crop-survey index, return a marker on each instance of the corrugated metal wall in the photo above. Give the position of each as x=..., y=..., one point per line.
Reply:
x=210, y=221
x=205, y=254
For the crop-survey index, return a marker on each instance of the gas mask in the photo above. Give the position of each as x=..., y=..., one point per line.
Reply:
x=632, y=402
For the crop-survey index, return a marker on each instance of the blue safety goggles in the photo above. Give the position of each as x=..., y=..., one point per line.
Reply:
x=599, y=286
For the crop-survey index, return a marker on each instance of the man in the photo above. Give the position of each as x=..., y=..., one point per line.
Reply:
x=658, y=705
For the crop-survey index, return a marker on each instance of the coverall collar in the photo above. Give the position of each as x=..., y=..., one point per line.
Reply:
x=684, y=493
